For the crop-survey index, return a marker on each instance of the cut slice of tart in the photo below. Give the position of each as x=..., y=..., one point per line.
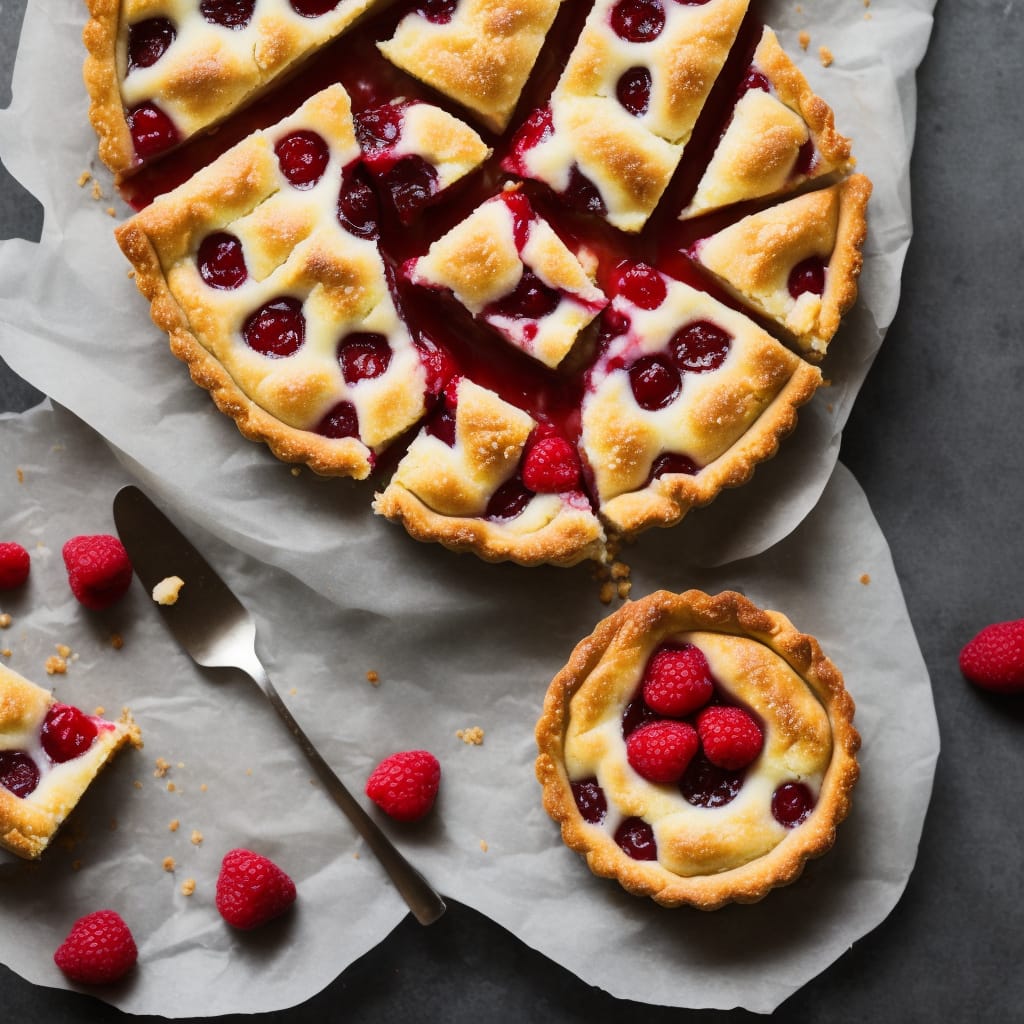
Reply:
x=780, y=135
x=685, y=398
x=49, y=755
x=159, y=73
x=466, y=482
x=477, y=52
x=415, y=151
x=795, y=263
x=508, y=267
x=264, y=271
x=714, y=799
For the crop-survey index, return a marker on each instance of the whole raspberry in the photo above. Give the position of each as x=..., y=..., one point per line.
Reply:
x=551, y=466
x=252, y=890
x=677, y=681
x=661, y=751
x=14, y=565
x=730, y=737
x=994, y=659
x=98, y=570
x=404, y=785
x=98, y=950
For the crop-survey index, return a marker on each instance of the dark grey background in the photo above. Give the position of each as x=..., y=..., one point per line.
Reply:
x=936, y=442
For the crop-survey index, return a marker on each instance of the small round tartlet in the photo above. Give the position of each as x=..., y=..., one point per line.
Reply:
x=712, y=834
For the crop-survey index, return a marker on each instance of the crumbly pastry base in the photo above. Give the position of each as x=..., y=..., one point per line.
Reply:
x=645, y=623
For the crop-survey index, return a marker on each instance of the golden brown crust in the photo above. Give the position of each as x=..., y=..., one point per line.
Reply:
x=625, y=639
x=106, y=111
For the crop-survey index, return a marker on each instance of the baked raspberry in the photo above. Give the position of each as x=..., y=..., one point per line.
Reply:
x=677, y=680
x=654, y=382
x=673, y=462
x=633, y=90
x=363, y=355
x=638, y=21
x=14, y=565
x=551, y=466
x=508, y=500
x=341, y=420
x=730, y=737
x=233, y=14
x=437, y=12
x=640, y=284
x=994, y=659
x=18, y=772
x=807, y=276
x=590, y=800
x=358, y=212
x=152, y=131
x=148, y=41
x=99, y=570
x=661, y=750
x=303, y=158
x=404, y=785
x=221, y=261
x=706, y=785
x=700, y=347
x=636, y=839
x=66, y=733
x=99, y=949
x=252, y=890
x=277, y=329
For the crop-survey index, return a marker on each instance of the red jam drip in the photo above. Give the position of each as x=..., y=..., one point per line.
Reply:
x=148, y=41
x=233, y=14
x=590, y=800
x=655, y=383
x=358, y=213
x=537, y=128
x=633, y=90
x=152, y=131
x=302, y=157
x=437, y=12
x=221, y=261
x=522, y=216
x=66, y=733
x=442, y=426
x=341, y=421
x=638, y=21
x=704, y=785
x=379, y=128
x=806, y=159
x=583, y=195
x=508, y=501
x=637, y=713
x=672, y=462
x=754, y=79
x=411, y=183
x=18, y=772
x=700, y=347
x=531, y=299
x=640, y=284
x=276, y=329
x=636, y=839
x=363, y=356
x=313, y=8
x=437, y=362
x=807, y=276
x=792, y=802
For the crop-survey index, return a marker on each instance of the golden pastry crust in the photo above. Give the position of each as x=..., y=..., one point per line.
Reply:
x=450, y=145
x=733, y=853
x=27, y=824
x=481, y=58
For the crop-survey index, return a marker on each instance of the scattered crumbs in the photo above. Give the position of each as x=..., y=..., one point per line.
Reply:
x=56, y=665
x=6, y=652
x=473, y=736
x=865, y=578
x=167, y=590
x=607, y=592
x=202, y=788
x=76, y=865
x=188, y=887
x=296, y=471
x=63, y=650
x=171, y=787
x=169, y=864
x=294, y=690
x=137, y=784
x=867, y=3
x=116, y=641
x=372, y=677
x=131, y=274
x=84, y=178
x=799, y=8
x=174, y=825
x=624, y=587
x=825, y=56
x=196, y=838
x=97, y=190
x=5, y=619
x=483, y=846
x=111, y=212
x=248, y=771
x=20, y=473
x=99, y=711
x=619, y=571
x=804, y=39
x=355, y=856
x=162, y=768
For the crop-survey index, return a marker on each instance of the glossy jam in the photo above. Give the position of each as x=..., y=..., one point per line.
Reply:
x=792, y=803
x=638, y=21
x=18, y=772
x=233, y=14
x=636, y=839
x=341, y=421
x=633, y=90
x=590, y=800
x=221, y=261
x=148, y=41
x=302, y=157
x=363, y=356
x=807, y=276
x=277, y=329
x=67, y=733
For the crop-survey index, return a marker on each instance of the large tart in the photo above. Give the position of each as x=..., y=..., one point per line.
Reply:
x=572, y=263
x=698, y=749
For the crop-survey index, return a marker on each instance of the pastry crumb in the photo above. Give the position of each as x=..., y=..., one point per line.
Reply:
x=483, y=846
x=162, y=768
x=5, y=620
x=865, y=578
x=293, y=691
x=372, y=677
x=181, y=764
x=173, y=825
x=296, y=470
x=6, y=652
x=137, y=784
x=188, y=887
x=169, y=864
x=116, y=641
x=804, y=39
x=99, y=711
x=825, y=56
x=20, y=474
x=607, y=592
x=196, y=838
x=202, y=787
x=355, y=856
x=171, y=787
x=473, y=736
x=619, y=571
x=97, y=190
x=623, y=588
x=111, y=212
x=84, y=178
x=56, y=665
x=248, y=771
x=64, y=651
x=168, y=589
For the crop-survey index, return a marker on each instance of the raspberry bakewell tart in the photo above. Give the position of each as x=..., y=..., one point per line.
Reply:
x=698, y=749
x=49, y=755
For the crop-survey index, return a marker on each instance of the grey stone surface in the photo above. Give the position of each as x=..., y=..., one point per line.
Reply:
x=936, y=442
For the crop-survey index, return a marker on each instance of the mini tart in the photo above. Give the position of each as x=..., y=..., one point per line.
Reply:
x=264, y=271
x=796, y=263
x=37, y=792
x=477, y=52
x=460, y=484
x=509, y=268
x=626, y=104
x=723, y=843
x=780, y=135
x=188, y=65
x=685, y=398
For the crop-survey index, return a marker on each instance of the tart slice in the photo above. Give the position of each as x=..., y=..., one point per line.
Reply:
x=264, y=271
x=796, y=263
x=780, y=134
x=477, y=52
x=707, y=793
x=484, y=476
x=49, y=755
x=686, y=397
x=509, y=268
x=159, y=73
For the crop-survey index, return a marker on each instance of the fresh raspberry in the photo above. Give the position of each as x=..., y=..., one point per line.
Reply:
x=404, y=785
x=66, y=733
x=551, y=466
x=252, y=890
x=730, y=737
x=661, y=751
x=994, y=659
x=98, y=950
x=677, y=681
x=14, y=565
x=98, y=570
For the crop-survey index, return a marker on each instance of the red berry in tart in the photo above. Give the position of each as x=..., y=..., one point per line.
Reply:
x=730, y=737
x=655, y=382
x=706, y=785
x=99, y=570
x=148, y=41
x=700, y=347
x=636, y=839
x=276, y=329
x=302, y=157
x=807, y=276
x=792, y=802
x=363, y=356
x=551, y=466
x=252, y=890
x=590, y=800
x=677, y=681
x=66, y=733
x=14, y=565
x=152, y=131
x=633, y=90
x=18, y=772
x=508, y=500
x=994, y=659
x=99, y=949
x=221, y=261
x=404, y=785
x=661, y=750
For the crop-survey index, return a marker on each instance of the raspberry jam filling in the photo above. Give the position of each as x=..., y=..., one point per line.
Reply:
x=636, y=839
x=233, y=14
x=437, y=12
x=638, y=21
x=792, y=803
x=67, y=733
x=152, y=131
x=807, y=276
x=590, y=800
x=509, y=500
x=148, y=41
x=341, y=421
x=358, y=212
x=363, y=356
x=277, y=329
x=313, y=8
x=531, y=299
x=18, y=772
x=302, y=157
x=412, y=184
x=221, y=261
x=633, y=90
